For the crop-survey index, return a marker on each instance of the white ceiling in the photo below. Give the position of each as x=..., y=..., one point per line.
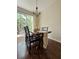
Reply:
x=30, y=4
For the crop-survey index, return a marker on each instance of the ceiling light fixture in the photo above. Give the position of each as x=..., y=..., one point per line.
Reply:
x=36, y=11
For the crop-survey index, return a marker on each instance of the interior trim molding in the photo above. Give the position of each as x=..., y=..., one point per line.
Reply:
x=22, y=10
x=55, y=40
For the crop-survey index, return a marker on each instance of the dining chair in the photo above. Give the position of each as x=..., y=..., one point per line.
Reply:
x=44, y=29
x=36, y=39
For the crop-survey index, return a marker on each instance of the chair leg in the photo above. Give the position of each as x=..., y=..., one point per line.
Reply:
x=29, y=51
x=30, y=48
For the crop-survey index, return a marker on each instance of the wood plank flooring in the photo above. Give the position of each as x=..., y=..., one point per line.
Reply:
x=53, y=50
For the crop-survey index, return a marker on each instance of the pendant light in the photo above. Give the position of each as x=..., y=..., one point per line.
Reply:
x=37, y=13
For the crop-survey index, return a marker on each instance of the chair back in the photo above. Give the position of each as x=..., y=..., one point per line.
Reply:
x=39, y=36
x=27, y=33
x=44, y=29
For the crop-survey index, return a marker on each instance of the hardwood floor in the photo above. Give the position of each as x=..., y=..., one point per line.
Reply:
x=53, y=51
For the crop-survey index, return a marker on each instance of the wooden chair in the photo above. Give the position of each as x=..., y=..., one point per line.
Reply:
x=36, y=39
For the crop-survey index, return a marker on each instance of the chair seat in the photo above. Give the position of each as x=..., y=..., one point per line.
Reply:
x=34, y=40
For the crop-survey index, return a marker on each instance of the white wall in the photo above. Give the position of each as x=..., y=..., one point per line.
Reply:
x=51, y=17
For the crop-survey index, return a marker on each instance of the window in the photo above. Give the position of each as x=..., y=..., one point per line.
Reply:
x=24, y=20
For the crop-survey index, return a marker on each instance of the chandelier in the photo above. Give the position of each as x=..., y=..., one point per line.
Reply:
x=37, y=13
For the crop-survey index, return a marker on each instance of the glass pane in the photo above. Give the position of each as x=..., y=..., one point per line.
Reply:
x=24, y=20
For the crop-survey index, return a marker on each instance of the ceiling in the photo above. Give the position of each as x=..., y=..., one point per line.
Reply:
x=31, y=4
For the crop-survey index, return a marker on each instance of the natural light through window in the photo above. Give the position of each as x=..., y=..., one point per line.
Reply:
x=24, y=20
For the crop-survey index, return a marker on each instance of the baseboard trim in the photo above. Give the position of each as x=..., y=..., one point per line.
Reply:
x=55, y=40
